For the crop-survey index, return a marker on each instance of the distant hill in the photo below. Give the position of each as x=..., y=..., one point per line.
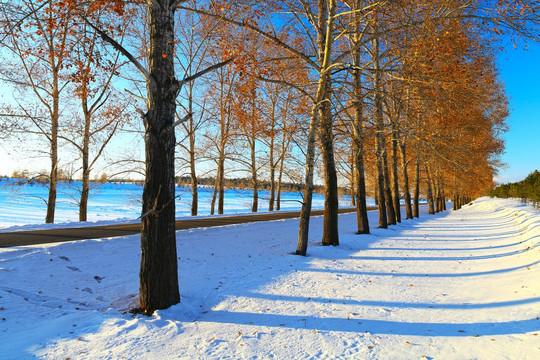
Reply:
x=528, y=189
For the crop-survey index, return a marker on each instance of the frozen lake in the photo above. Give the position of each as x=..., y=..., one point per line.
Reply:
x=25, y=204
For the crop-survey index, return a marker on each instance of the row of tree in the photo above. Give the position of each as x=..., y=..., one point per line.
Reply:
x=401, y=97
x=526, y=190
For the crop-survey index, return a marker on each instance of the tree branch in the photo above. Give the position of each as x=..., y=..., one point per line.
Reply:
x=205, y=71
x=122, y=50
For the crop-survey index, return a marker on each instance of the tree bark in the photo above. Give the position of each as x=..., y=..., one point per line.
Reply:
x=362, y=221
x=406, y=189
x=325, y=39
x=272, y=199
x=214, y=194
x=254, y=179
x=352, y=190
x=361, y=206
x=395, y=176
x=221, y=181
x=430, y=192
x=85, y=190
x=417, y=189
x=285, y=146
x=192, y=157
x=305, y=212
x=159, y=263
x=53, y=175
x=331, y=197
x=388, y=191
x=271, y=149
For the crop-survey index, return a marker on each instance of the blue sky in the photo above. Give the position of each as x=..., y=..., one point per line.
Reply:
x=519, y=70
x=520, y=73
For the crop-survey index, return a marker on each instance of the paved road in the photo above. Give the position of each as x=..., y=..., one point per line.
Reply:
x=21, y=238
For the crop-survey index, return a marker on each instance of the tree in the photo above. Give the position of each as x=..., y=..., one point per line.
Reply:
x=158, y=277
x=92, y=72
x=321, y=19
x=38, y=38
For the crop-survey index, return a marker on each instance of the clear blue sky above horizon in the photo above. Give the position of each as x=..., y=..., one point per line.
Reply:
x=520, y=73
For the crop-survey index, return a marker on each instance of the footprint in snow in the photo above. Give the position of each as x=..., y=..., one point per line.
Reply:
x=73, y=268
x=65, y=258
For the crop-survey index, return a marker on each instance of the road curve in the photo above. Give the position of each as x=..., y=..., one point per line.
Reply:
x=35, y=237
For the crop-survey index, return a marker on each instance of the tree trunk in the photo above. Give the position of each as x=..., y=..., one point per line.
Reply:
x=85, y=189
x=379, y=125
x=395, y=175
x=417, y=189
x=361, y=206
x=381, y=202
x=325, y=39
x=273, y=164
x=430, y=192
x=362, y=221
x=214, y=194
x=280, y=175
x=439, y=196
x=331, y=196
x=443, y=199
x=352, y=190
x=221, y=181
x=194, y=180
x=53, y=175
x=254, y=179
x=388, y=192
x=159, y=263
x=406, y=189
x=192, y=161
x=272, y=199
x=305, y=212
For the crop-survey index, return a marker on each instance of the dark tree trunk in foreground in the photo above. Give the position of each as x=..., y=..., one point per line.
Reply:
x=159, y=262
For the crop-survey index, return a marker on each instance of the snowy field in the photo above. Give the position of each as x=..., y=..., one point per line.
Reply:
x=23, y=205
x=457, y=285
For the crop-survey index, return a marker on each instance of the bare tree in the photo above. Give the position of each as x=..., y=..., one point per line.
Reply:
x=159, y=264
x=40, y=48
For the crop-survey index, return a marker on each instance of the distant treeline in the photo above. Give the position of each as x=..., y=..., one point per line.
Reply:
x=245, y=183
x=527, y=190
x=236, y=183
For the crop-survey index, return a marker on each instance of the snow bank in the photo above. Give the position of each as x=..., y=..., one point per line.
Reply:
x=457, y=285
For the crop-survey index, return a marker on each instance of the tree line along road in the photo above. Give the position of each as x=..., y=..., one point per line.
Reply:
x=35, y=237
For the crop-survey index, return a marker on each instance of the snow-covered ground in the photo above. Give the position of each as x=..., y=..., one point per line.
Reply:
x=21, y=205
x=457, y=285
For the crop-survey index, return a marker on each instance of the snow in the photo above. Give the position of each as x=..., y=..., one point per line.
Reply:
x=23, y=206
x=456, y=285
